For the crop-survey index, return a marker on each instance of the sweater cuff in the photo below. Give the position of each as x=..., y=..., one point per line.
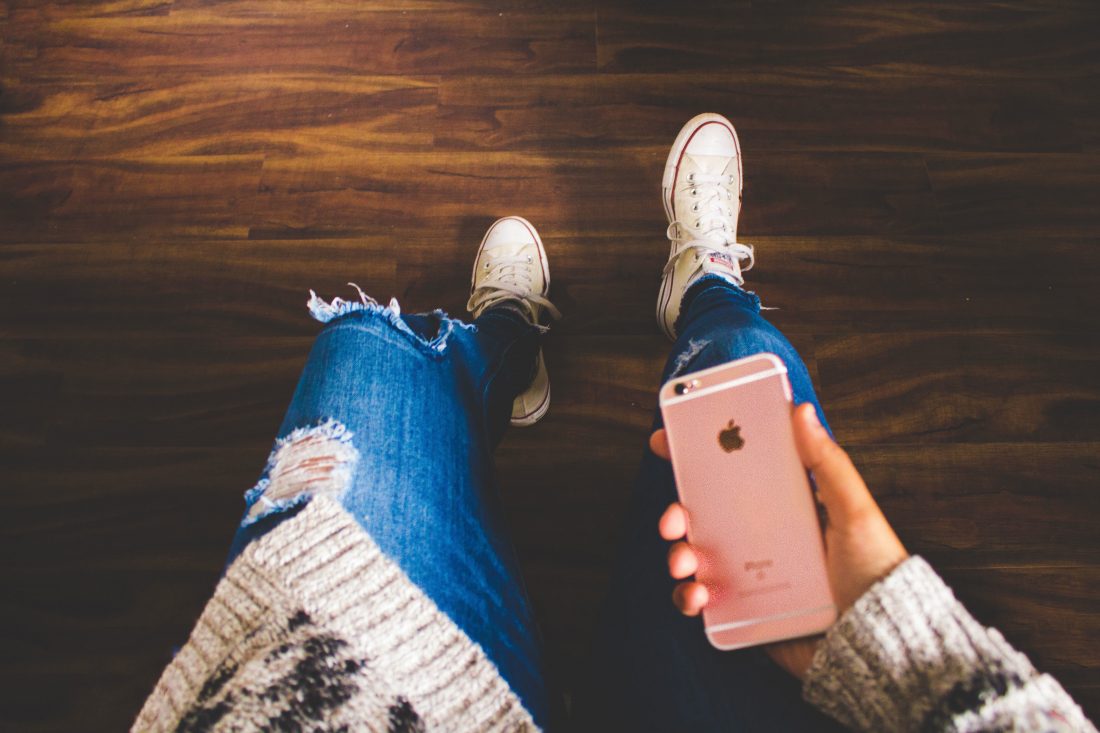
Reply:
x=907, y=656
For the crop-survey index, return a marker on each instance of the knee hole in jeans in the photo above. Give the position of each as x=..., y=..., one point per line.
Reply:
x=310, y=461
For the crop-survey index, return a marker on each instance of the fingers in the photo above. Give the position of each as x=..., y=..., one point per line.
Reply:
x=690, y=597
x=682, y=561
x=673, y=523
x=839, y=485
x=658, y=443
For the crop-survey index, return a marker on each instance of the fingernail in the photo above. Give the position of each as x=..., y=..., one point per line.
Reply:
x=810, y=416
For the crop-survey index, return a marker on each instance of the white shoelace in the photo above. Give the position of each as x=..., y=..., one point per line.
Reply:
x=711, y=215
x=508, y=277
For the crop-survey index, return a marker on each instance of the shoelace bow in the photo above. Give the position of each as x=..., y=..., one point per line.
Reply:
x=712, y=212
x=507, y=276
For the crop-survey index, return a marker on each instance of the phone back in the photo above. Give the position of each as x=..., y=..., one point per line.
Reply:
x=752, y=518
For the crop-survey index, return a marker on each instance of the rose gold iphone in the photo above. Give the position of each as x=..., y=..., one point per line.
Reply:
x=752, y=517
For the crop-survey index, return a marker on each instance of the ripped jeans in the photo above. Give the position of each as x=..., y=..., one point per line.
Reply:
x=397, y=416
x=413, y=405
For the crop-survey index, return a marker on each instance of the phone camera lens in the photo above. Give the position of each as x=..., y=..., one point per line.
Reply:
x=682, y=388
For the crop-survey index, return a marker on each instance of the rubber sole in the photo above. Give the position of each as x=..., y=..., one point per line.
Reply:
x=523, y=421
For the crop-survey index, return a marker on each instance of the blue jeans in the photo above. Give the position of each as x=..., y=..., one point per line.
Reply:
x=426, y=399
x=652, y=668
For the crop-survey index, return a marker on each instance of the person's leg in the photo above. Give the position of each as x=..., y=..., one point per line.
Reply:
x=397, y=416
x=653, y=667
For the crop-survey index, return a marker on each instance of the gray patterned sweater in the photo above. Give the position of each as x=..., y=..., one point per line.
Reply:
x=314, y=629
x=908, y=657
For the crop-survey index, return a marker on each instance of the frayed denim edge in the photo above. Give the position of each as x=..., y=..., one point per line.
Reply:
x=688, y=355
x=328, y=311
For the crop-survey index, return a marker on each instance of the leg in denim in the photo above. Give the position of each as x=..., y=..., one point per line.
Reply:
x=653, y=668
x=397, y=416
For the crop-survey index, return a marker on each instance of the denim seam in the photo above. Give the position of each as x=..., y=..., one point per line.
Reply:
x=497, y=368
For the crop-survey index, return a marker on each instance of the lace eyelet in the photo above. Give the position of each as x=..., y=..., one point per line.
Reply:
x=691, y=178
x=696, y=223
x=529, y=259
x=694, y=192
x=695, y=207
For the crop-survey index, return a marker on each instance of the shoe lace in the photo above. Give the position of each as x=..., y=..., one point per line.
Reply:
x=710, y=219
x=508, y=277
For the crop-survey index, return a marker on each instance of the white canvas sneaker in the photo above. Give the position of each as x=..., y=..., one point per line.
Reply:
x=511, y=265
x=701, y=192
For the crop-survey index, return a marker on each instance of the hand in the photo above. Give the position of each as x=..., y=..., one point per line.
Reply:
x=860, y=546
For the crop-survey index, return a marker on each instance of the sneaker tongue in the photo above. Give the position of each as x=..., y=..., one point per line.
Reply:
x=517, y=304
x=717, y=262
x=710, y=164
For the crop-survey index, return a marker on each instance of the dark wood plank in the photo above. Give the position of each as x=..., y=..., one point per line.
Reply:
x=961, y=388
x=603, y=284
x=332, y=38
x=597, y=193
x=882, y=107
x=970, y=506
x=159, y=287
x=1050, y=38
x=190, y=197
x=333, y=195
x=1011, y=193
x=278, y=114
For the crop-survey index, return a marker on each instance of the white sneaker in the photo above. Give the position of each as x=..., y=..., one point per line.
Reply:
x=701, y=192
x=511, y=265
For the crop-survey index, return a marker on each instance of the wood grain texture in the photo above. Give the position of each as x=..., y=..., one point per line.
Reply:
x=175, y=175
x=888, y=107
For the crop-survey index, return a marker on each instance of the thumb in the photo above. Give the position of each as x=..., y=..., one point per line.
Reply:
x=839, y=485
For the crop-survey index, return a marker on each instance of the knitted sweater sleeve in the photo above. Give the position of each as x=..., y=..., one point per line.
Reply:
x=908, y=657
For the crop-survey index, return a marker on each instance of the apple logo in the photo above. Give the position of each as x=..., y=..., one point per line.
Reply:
x=730, y=439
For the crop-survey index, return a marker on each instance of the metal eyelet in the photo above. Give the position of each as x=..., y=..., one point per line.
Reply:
x=691, y=178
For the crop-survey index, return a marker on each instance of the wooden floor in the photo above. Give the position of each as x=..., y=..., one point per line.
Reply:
x=922, y=186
